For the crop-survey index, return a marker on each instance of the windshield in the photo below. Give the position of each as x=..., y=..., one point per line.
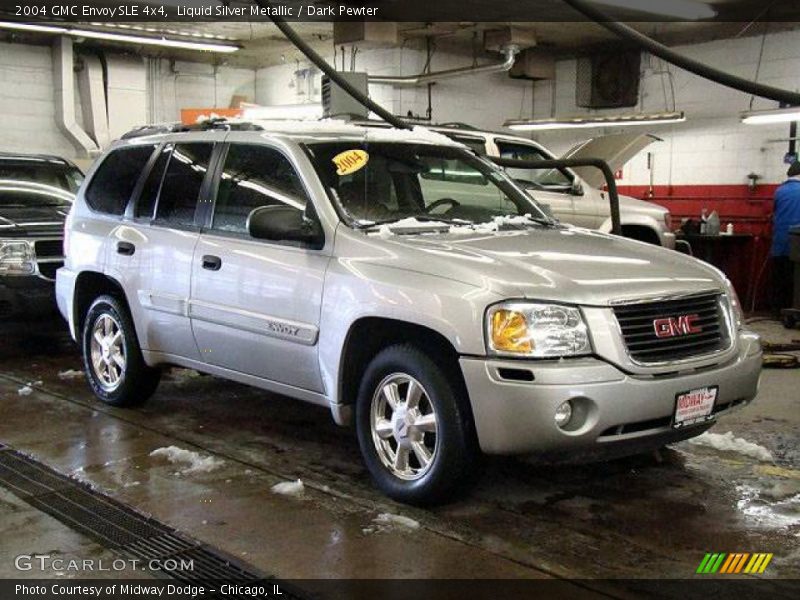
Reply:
x=380, y=182
x=37, y=182
x=59, y=176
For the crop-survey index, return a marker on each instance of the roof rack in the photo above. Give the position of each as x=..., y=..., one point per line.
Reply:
x=206, y=125
x=457, y=125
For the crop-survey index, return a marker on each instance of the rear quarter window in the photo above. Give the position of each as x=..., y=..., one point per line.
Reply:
x=112, y=185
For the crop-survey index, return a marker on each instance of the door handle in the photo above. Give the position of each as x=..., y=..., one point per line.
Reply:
x=211, y=262
x=125, y=248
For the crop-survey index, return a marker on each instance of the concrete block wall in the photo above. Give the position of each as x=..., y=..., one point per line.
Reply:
x=483, y=100
x=27, y=108
x=712, y=147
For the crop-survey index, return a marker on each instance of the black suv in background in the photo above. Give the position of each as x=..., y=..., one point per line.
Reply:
x=36, y=192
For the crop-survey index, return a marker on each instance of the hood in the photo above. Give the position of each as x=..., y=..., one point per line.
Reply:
x=30, y=220
x=558, y=264
x=616, y=150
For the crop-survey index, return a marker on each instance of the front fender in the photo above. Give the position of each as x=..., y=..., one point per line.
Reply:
x=354, y=290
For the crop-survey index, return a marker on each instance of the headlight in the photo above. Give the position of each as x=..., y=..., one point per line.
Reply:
x=16, y=258
x=536, y=330
x=736, y=306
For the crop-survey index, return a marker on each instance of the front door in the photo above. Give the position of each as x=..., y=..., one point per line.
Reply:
x=255, y=304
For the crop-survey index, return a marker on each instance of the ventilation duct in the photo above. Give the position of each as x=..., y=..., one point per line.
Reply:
x=64, y=96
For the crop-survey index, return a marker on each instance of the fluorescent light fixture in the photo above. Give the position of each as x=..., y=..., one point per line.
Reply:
x=679, y=9
x=119, y=37
x=768, y=117
x=595, y=121
x=285, y=111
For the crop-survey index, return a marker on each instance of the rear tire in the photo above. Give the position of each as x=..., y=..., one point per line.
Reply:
x=414, y=427
x=115, y=368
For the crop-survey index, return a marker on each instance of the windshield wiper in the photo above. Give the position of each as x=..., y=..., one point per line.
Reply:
x=418, y=218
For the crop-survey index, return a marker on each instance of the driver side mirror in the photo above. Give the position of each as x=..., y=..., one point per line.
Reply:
x=281, y=223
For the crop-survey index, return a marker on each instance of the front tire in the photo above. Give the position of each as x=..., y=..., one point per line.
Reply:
x=414, y=428
x=115, y=368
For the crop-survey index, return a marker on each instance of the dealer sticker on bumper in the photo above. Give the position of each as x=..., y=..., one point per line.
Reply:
x=695, y=406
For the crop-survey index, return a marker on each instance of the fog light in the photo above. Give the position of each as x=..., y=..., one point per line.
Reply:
x=563, y=413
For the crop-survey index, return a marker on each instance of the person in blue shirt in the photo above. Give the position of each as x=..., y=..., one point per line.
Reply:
x=786, y=214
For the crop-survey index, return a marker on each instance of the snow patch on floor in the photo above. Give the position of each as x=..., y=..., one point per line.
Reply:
x=726, y=442
x=393, y=520
x=25, y=390
x=289, y=488
x=70, y=374
x=193, y=461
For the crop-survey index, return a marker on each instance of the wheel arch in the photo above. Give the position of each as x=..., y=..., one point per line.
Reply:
x=89, y=285
x=366, y=337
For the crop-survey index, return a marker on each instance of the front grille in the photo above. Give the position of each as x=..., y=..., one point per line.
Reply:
x=638, y=325
x=49, y=248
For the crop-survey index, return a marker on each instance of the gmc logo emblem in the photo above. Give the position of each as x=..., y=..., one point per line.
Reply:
x=674, y=326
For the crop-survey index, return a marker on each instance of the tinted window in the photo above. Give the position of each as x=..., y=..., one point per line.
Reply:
x=152, y=185
x=180, y=189
x=254, y=176
x=112, y=185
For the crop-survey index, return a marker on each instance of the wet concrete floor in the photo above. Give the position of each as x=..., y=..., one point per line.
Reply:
x=642, y=517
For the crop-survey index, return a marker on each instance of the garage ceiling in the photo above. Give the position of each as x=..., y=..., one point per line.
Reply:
x=263, y=45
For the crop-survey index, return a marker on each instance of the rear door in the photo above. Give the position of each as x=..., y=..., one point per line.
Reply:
x=256, y=304
x=152, y=251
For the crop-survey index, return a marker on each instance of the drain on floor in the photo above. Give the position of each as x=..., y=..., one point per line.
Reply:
x=123, y=530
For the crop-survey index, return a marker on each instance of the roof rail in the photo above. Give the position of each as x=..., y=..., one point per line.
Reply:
x=457, y=125
x=206, y=125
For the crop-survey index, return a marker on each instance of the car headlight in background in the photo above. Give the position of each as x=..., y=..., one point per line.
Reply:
x=737, y=313
x=16, y=258
x=536, y=330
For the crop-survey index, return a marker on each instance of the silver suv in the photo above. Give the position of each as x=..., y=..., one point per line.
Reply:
x=402, y=281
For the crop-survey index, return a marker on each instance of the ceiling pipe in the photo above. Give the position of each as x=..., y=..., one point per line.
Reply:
x=64, y=92
x=509, y=53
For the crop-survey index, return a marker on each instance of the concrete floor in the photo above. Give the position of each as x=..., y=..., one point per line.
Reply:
x=643, y=517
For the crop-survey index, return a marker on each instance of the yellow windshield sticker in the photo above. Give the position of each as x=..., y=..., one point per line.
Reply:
x=350, y=161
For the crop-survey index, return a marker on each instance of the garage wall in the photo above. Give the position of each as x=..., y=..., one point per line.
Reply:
x=176, y=84
x=27, y=107
x=712, y=147
x=482, y=100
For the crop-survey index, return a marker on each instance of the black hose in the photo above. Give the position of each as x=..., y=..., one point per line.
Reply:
x=693, y=66
x=332, y=74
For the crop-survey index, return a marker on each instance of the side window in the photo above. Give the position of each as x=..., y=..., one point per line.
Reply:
x=147, y=199
x=254, y=176
x=542, y=178
x=476, y=143
x=180, y=189
x=113, y=183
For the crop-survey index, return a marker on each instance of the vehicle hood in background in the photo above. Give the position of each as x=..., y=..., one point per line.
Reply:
x=616, y=150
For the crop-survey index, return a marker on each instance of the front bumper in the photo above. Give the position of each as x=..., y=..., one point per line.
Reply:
x=26, y=297
x=615, y=410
